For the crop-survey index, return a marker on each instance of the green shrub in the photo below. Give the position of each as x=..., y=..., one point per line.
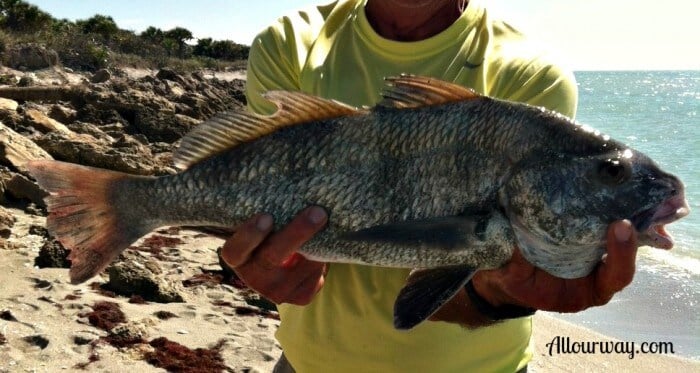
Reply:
x=19, y=16
x=5, y=42
x=98, y=42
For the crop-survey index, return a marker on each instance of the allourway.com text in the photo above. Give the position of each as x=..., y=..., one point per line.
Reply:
x=564, y=345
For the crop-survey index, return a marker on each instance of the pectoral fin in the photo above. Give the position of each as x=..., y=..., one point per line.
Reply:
x=426, y=290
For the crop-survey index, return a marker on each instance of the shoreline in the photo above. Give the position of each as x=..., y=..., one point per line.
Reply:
x=658, y=306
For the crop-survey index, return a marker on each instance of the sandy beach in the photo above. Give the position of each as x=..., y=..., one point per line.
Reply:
x=48, y=325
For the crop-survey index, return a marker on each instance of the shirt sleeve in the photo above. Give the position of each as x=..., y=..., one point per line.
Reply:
x=278, y=53
x=537, y=82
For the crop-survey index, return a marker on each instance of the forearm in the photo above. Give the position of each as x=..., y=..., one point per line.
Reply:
x=481, y=303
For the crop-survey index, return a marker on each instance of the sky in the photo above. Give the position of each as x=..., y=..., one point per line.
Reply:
x=587, y=35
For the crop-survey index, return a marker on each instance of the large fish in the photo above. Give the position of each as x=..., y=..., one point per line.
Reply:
x=435, y=177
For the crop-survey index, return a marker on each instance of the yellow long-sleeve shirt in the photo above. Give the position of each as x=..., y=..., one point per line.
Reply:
x=333, y=52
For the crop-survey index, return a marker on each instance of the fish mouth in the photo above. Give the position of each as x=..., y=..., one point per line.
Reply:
x=651, y=223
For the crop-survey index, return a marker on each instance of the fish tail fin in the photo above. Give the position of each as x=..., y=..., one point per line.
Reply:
x=83, y=217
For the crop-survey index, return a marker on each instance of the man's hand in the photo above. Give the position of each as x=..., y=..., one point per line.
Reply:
x=269, y=264
x=520, y=283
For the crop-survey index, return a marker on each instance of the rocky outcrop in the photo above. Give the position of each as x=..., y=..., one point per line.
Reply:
x=107, y=120
x=110, y=120
x=30, y=57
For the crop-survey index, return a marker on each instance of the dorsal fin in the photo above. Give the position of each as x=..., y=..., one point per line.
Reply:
x=228, y=129
x=410, y=91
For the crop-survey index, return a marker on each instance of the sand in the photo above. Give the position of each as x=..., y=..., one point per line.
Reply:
x=44, y=307
x=547, y=328
x=46, y=328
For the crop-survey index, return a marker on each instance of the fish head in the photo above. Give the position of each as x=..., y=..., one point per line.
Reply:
x=560, y=206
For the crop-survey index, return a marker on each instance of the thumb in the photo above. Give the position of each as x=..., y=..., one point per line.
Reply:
x=617, y=270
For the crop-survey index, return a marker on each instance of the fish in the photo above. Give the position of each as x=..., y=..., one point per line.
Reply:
x=436, y=177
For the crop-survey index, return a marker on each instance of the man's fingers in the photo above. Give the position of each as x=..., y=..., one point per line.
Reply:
x=293, y=285
x=309, y=286
x=284, y=243
x=618, y=269
x=248, y=236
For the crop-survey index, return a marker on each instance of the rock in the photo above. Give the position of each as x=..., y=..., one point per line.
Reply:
x=176, y=91
x=8, y=105
x=199, y=106
x=137, y=141
x=210, y=93
x=26, y=81
x=34, y=209
x=20, y=187
x=11, y=118
x=30, y=57
x=86, y=150
x=101, y=76
x=16, y=150
x=41, y=122
x=187, y=121
x=92, y=130
x=255, y=299
x=169, y=74
x=52, y=255
x=91, y=114
x=124, y=335
x=130, y=277
x=163, y=126
x=5, y=176
x=39, y=230
x=7, y=221
x=198, y=75
x=63, y=114
x=161, y=147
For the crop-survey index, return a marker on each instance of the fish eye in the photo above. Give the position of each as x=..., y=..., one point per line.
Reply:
x=614, y=171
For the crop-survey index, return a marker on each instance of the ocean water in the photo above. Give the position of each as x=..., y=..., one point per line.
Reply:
x=658, y=113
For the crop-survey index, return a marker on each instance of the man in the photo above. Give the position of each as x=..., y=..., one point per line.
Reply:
x=338, y=317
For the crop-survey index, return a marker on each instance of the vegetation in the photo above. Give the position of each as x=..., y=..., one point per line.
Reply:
x=98, y=42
